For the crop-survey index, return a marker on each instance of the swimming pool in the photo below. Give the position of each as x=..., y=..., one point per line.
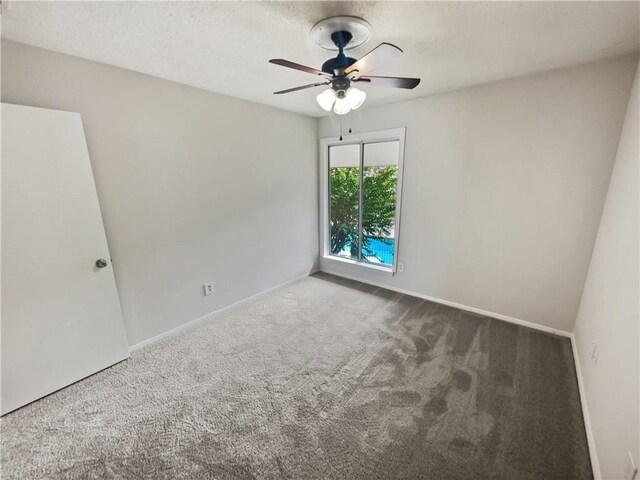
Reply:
x=382, y=250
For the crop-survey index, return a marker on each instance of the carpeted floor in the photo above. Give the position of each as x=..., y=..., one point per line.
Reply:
x=322, y=379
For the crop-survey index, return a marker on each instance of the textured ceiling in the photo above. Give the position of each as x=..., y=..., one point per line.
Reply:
x=224, y=46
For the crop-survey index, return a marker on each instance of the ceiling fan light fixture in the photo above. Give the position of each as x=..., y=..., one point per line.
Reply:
x=342, y=33
x=326, y=99
x=341, y=106
x=355, y=97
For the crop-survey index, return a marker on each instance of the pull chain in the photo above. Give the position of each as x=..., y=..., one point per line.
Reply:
x=350, y=131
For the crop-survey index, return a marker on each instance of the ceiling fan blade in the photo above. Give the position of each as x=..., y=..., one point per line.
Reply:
x=303, y=87
x=395, y=82
x=376, y=57
x=297, y=66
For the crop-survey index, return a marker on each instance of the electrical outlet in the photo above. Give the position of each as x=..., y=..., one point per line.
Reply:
x=400, y=267
x=631, y=472
x=208, y=288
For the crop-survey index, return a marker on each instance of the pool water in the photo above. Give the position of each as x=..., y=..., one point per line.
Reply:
x=382, y=251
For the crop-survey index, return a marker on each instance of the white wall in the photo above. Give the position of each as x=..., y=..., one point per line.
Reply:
x=193, y=186
x=609, y=311
x=503, y=189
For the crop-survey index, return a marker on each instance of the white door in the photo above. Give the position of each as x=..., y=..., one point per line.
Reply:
x=61, y=318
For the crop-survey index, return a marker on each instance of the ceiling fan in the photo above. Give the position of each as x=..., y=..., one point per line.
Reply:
x=342, y=71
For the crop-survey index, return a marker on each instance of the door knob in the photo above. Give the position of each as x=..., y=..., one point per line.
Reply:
x=101, y=263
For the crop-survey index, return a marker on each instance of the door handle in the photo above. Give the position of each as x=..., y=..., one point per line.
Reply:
x=101, y=263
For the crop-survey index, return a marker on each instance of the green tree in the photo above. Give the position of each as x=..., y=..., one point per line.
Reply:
x=379, y=205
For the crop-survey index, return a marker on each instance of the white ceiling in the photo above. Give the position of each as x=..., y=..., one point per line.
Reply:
x=225, y=46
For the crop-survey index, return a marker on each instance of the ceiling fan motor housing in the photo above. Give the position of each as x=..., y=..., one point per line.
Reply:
x=337, y=65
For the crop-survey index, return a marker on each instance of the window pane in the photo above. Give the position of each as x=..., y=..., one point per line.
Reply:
x=344, y=188
x=380, y=177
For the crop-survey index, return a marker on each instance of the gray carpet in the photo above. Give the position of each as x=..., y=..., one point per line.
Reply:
x=323, y=378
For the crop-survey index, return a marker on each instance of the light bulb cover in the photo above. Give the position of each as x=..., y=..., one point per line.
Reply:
x=341, y=106
x=326, y=99
x=355, y=97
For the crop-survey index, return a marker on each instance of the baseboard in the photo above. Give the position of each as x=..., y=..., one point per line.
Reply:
x=467, y=308
x=194, y=322
x=595, y=465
